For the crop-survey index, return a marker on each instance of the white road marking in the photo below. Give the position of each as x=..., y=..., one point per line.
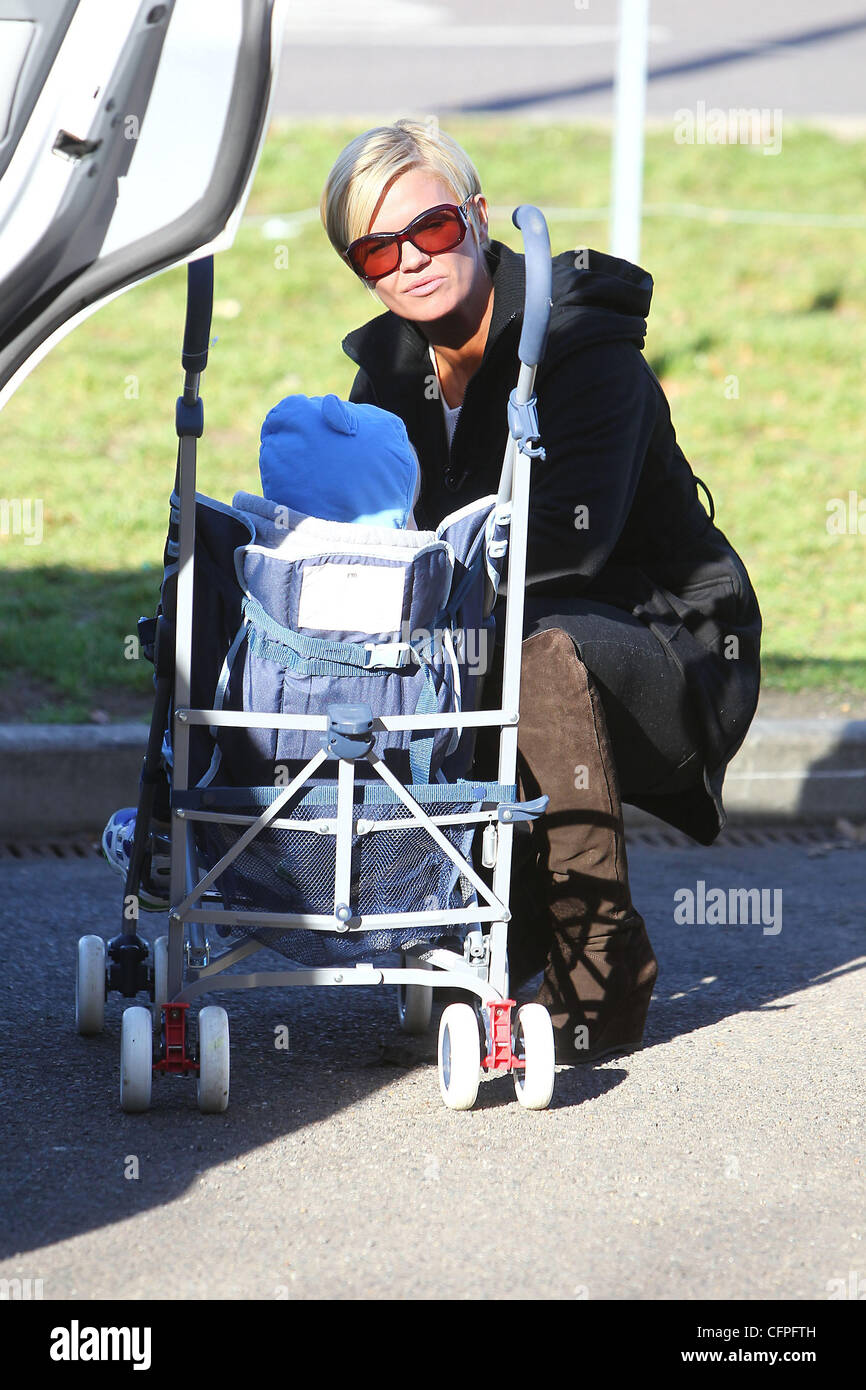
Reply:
x=425, y=26
x=363, y=14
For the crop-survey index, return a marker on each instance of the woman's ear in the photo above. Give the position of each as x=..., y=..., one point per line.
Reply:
x=483, y=232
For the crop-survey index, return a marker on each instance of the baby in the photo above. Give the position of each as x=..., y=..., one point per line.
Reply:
x=336, y=461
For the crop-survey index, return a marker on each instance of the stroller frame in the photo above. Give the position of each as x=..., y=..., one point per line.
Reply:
x=186, y=966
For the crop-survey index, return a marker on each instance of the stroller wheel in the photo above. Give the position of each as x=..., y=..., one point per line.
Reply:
x=459, y=1057
x=533, y=1083
x=414, y=1004
x=136, y=1059
x=213, y=1059
x=90, y=986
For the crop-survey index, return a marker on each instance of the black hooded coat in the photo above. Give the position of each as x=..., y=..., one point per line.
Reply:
x=644, y=543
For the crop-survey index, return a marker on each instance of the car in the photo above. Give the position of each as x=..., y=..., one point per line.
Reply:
x=129, y=137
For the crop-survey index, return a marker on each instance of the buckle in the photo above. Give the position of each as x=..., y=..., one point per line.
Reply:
x=389, y=654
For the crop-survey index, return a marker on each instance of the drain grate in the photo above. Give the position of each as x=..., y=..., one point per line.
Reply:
x=812, y=838
x=809, y=837
x=79, y=847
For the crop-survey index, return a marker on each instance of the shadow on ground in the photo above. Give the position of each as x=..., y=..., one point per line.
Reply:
x=65, y=1141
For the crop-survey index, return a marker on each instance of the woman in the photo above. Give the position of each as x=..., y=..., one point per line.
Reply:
x=640, y=668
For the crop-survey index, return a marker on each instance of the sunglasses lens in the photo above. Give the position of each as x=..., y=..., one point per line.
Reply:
x=439, y=232
x=376, y=258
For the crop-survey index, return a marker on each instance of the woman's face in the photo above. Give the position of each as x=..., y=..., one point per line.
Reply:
x=423, y=287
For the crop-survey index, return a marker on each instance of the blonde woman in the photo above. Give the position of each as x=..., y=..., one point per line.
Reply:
x=641, y=667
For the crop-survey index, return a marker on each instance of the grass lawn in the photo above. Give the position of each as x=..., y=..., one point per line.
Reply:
x=758, y=333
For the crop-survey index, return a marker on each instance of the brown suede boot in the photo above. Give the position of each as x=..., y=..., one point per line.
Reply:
x=600, y=969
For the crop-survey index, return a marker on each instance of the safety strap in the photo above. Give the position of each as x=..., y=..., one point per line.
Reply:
x=421, y=742
x=318, y=656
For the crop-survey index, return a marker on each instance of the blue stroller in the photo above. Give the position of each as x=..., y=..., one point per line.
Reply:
x=317, y=701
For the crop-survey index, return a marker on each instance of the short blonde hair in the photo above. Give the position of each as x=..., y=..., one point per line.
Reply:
x=372, y=160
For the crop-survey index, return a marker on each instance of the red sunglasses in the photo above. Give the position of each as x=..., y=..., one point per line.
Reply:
x=436, y=230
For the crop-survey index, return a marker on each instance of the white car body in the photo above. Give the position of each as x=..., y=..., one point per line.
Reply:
x=129, y=136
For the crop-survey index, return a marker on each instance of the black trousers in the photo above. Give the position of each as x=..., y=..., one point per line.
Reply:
x=646, y=704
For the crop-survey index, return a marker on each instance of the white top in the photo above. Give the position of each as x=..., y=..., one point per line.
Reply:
x=451, y=414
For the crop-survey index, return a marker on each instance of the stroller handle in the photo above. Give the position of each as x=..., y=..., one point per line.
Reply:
x=199, y=307
x=539, y=272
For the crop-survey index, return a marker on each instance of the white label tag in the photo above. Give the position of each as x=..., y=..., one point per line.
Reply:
x=352, y=598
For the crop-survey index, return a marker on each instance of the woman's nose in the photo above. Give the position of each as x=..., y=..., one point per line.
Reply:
x=411, y=258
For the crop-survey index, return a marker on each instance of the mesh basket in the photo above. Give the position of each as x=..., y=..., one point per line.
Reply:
x=397, y=869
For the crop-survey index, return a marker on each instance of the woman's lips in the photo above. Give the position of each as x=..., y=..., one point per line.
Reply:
x=427, y=287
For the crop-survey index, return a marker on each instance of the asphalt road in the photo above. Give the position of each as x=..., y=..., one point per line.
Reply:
x=556, y=58
x=725, y=1160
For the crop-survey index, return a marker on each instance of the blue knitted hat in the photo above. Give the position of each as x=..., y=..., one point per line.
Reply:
x=340, y=462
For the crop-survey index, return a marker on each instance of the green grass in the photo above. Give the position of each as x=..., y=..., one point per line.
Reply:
x=758, y=334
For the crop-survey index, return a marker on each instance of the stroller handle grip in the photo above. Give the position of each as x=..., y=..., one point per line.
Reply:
x=539, y=274
x=199, y=307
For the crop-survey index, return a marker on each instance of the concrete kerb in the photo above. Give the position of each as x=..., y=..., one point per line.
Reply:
x=810, y=770
x=65, y=780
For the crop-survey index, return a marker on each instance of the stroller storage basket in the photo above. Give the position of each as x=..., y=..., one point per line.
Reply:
x=396, y=866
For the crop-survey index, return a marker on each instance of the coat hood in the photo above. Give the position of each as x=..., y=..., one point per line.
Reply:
x=597, y=298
